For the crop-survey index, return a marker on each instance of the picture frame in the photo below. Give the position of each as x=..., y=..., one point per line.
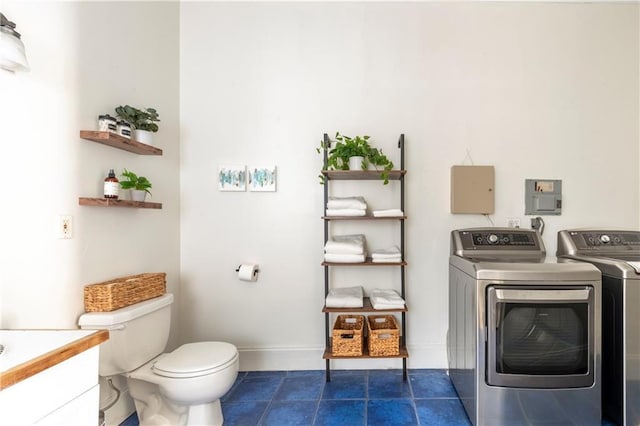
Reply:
x=262, y=178
x=232, y=178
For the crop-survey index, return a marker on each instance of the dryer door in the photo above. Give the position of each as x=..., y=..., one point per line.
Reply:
x=540, y=337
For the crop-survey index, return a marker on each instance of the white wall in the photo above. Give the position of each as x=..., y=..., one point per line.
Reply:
x=86, y=59
x=537, y=90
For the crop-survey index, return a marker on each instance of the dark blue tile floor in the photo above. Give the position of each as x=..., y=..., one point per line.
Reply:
x=352, y=397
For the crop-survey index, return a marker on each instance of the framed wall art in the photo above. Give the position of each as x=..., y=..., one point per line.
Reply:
x=232, y=178
x=262, y=178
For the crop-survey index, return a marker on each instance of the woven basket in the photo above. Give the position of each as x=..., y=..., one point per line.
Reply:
x=384, y=335
x=115, y=294
x=347, y=338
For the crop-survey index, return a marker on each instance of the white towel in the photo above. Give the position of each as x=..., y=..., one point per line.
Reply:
x=346, y=203
x=348, y=297
x=388, y=213
x=397, y=259
x=390, y=252
x=346, y=212
x=345, y=244
x=388, y=255
x=386, y=299
x=344, y=258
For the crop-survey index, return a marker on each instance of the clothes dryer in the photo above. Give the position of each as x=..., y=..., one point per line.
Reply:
x=617, y=254
x=524, y=332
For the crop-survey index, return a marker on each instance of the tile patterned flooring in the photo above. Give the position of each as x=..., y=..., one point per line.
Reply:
x=352, y=397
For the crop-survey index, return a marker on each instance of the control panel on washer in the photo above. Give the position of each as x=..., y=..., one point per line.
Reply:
x=502, y=239
x=632, y=239
x=498, y=239
x=596, y=239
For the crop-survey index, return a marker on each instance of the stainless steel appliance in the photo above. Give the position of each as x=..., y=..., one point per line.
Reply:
x=524, y=333
x=617, y=255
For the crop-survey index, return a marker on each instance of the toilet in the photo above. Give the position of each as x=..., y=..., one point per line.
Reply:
x=182, y=387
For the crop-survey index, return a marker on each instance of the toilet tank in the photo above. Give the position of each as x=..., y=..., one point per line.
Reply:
x=137, y=333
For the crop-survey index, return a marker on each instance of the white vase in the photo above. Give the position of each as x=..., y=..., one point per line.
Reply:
x=143, y=136
x=355, y=162
x=138, y=194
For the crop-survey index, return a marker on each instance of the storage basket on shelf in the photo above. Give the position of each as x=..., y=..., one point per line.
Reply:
x=384, y=335
x=347, y=338
x=121, y=292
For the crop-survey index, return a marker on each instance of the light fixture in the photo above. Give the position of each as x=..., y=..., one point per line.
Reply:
x=12, y=56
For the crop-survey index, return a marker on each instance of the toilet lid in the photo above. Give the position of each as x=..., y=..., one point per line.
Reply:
x=196, y=359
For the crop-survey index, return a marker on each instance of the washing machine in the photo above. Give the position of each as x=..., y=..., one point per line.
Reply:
x=524, y=331
x=617, y=255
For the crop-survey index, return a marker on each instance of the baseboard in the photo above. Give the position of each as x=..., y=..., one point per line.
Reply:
x=280, y=358
x=306, y=358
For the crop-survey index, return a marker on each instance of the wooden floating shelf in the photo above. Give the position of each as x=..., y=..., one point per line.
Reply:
x=368, y=217
x=109, y=202
x=120, y=142
x=368, y=262
x=361, y=174
x=365, y=354
x=366, y=307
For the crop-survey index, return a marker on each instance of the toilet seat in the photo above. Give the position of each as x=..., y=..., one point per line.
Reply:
x=196, y=359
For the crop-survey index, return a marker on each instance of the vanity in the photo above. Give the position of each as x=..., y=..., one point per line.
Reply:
x=49, y=377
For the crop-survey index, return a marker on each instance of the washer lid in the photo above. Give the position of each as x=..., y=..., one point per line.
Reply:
x=195, y=359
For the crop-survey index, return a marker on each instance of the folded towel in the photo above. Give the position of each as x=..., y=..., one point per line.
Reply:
x=397, y=259
x=346, y=203
x=344, y=258
x=386, y=299
x=388, y=213
x=348, y=297
x=346, y=212
x=345, y=244
x=391, y=252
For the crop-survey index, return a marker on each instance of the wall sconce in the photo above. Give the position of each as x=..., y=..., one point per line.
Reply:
x=12, y=56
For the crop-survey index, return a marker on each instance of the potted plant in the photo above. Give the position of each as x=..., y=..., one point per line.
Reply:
x=345, y=148
x=142, y=121
x=139, y=185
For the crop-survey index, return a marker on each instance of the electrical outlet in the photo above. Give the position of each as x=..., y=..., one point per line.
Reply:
x=513, y=222
x=64, y=227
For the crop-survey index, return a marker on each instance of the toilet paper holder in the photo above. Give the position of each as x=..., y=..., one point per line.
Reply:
x=248, y=272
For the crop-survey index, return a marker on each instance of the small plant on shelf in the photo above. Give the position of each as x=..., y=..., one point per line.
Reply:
x=345, y=147
x=139, y=119
x=135, y=183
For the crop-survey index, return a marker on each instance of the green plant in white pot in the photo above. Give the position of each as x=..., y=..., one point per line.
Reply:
x=142, y=121
x=139, y=185
x=340, y=155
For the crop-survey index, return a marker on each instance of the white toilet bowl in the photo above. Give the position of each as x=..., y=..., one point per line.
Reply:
x=184, y=387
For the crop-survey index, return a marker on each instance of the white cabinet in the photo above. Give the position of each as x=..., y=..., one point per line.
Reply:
x=79, y=411
x=65, y=393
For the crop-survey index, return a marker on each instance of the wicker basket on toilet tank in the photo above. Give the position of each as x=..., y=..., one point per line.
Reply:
x=121, y=292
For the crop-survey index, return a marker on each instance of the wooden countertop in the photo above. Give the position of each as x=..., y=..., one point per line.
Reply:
x=86, y=340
